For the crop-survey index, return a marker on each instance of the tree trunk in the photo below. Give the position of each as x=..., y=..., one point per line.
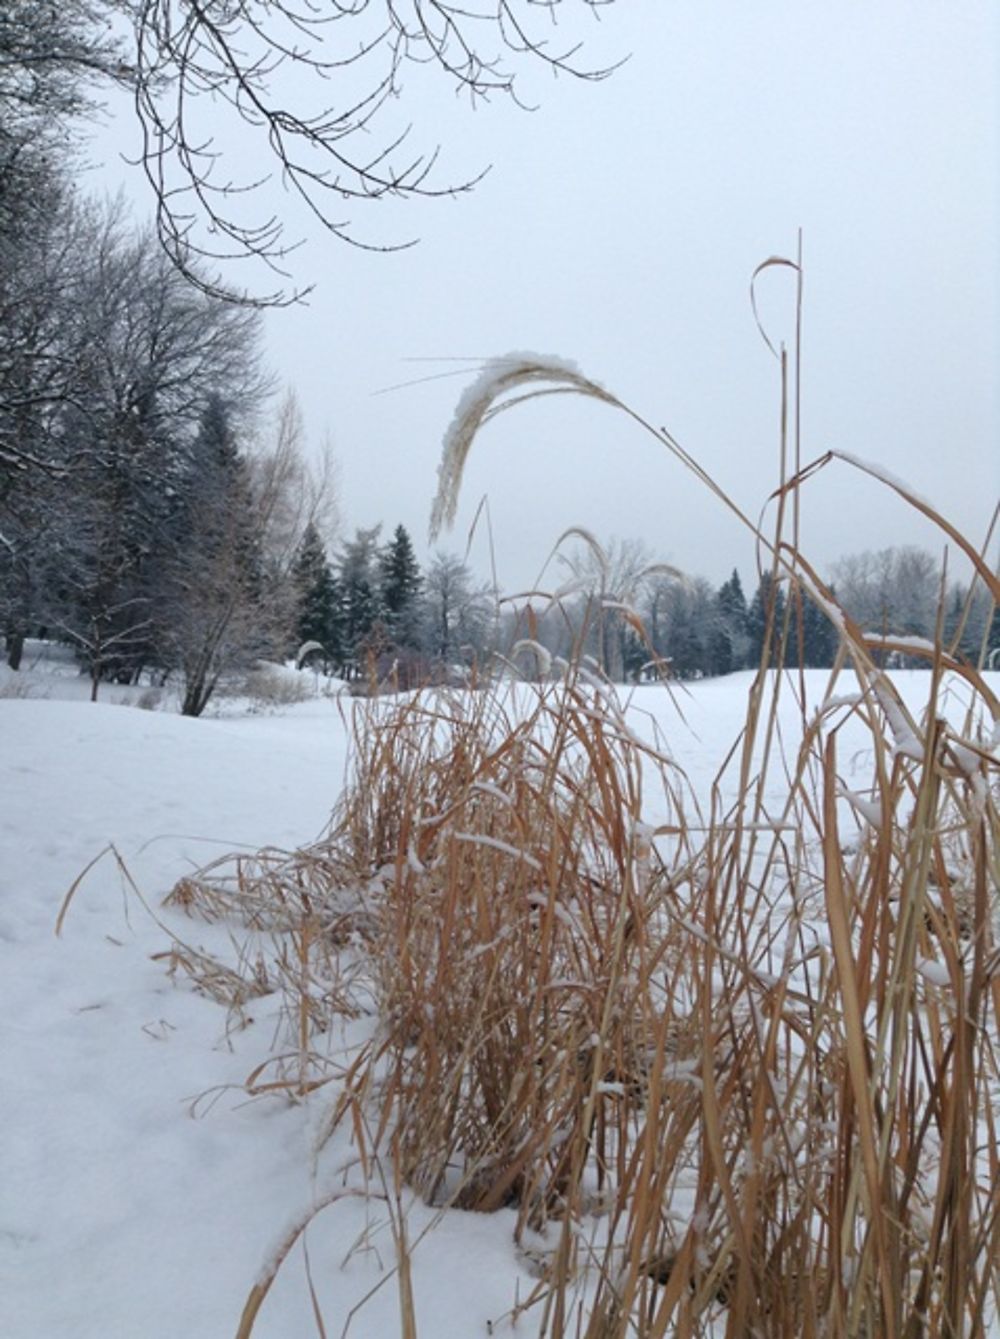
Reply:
x=15, y=648
x=196, y=695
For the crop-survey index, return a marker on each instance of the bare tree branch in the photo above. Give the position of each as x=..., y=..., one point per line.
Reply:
x=316, y=86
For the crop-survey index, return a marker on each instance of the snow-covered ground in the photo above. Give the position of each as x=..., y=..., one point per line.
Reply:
x=141, y=1191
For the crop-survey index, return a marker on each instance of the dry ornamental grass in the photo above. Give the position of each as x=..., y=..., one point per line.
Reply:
x=737, y=1074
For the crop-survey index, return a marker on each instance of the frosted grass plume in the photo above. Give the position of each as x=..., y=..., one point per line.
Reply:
x=501, y=384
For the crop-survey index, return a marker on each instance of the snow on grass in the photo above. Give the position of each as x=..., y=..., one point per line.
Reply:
x=141, y=1191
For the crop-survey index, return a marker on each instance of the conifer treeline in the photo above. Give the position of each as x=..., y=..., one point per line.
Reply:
x=372, y=603
x=689, y=629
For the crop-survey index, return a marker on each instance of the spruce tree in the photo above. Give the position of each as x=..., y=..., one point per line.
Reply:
x=732, y=603
x=318, y=597
x=212, y=614
x=359, y=593
x=819, y=638
x=720, y=651
x=729, y=642
x=993, y=637
x=687, y=651
x=767, y=608
x=400, y=584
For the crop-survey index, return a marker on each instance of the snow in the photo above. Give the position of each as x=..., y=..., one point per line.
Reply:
x=114, y=1200
x=906, y=742
x=494, y=843
x=870, y=810
x=487, y=788
x=884, y=476
x=542, y=656
x=934, y=973
x=493, y=376
x=902, y=643
x=142, y=1191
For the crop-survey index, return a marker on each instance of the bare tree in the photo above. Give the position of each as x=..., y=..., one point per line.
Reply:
x=295, y=494
x=314, y=87
x=318, y=87
x=45, y=247
x=680, y=616
x=458, y=614
x=614, y=577
x=54, y=57
x=41, y=253
x=894, y=590
x=92, y=588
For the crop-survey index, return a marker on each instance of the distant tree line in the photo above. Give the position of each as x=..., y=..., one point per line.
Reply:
x=154, y=517
x=634, y=617
x=151, y=515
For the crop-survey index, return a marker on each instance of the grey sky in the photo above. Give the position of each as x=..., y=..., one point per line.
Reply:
x=619, y=228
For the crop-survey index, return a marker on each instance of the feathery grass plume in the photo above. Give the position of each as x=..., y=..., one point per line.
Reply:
x=502, y=384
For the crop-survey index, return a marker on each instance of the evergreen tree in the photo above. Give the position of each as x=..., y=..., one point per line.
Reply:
x=767, y=610
x=359, y=594
x=733, y=604
x=318, y=594
x=215, y=615
x=993, y=636
x=729, y=641
x=219, y=500
x=104, y=567
x=635, y=655
x=819, y=637
x=720, y=651
x=972, y=623
x=688, y=658
x=400, y=584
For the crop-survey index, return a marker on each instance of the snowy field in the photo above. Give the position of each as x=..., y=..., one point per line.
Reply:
x=141, y=1191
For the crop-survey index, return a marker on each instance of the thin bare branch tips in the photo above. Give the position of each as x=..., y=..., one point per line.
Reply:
x=501, y=384
x=316, y=86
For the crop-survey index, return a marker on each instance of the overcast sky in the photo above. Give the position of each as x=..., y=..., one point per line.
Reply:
x=619, y=227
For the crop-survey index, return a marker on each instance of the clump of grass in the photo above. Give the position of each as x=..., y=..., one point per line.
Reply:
x=226, y=985
x=846, y=1158
x=272, y=689
x=740, y=1071
x=14, y=688
x=519, y=942
x=305, y=922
